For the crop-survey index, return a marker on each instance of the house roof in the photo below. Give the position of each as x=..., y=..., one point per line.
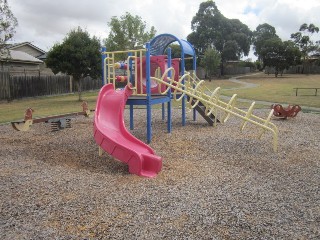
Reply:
x=18, y=56
x=17, y=45
x=42, y=57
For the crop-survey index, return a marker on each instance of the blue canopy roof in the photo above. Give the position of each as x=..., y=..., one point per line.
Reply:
x=159, y=44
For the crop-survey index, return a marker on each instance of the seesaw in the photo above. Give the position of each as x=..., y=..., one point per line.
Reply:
x=57, y=121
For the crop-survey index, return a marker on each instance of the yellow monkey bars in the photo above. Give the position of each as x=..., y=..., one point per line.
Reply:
x=189, y=85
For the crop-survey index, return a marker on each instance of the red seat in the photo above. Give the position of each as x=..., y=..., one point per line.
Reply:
x=281, y=112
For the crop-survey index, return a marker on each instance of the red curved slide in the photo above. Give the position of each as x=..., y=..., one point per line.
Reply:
x=112, y=136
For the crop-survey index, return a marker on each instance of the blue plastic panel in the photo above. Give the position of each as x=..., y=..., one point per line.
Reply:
x=159, y=44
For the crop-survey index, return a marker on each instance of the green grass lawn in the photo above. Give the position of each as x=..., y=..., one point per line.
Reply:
x=269, y=88
x=224, y=84
x=45, y=106
x=275, y=90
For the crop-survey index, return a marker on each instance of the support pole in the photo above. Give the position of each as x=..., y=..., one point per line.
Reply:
x=149, y=127
x=169, y=117
x=183, y=101
x=163, y=111
x=131, y=117
x=194, y=67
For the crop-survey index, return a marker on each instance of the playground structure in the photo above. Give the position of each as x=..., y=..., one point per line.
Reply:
x=281, y=112
x=57, y=122
x=153, y=77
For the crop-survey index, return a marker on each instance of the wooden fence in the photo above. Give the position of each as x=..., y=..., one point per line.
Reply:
x=236, y=70
x=88, y=84
x=306, y=69
x=15, y=87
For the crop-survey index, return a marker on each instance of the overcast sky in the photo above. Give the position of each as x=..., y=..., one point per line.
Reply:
x=45, y=22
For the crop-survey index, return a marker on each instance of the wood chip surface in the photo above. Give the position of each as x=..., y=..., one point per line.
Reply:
x=216, y=183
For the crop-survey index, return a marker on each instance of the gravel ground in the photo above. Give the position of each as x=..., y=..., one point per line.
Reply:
x=216, y=183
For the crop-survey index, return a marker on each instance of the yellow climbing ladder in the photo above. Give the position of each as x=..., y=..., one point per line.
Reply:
x=189, y=85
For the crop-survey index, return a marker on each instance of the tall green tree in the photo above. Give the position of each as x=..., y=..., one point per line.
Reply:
x=8, y=23
x=262, y=33
x=128, y=32
x=279, y=55
x=78, y=55
x=211, y=61
x=210, y=28
x=303, y=39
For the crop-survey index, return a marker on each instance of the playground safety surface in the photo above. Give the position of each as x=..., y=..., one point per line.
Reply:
x=216, y=183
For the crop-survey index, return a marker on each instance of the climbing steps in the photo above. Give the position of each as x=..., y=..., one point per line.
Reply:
x=201, y=109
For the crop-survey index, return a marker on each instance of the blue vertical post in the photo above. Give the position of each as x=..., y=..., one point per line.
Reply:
x=148, y=100
x=194, y=64
x=183, y=101
x=169, y=117
x=163, y=111
x=103, y=57
x=131, y=117
x=131, y=105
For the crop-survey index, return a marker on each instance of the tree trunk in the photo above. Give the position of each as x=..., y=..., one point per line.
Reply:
x=222, y=69
x=79, y=85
